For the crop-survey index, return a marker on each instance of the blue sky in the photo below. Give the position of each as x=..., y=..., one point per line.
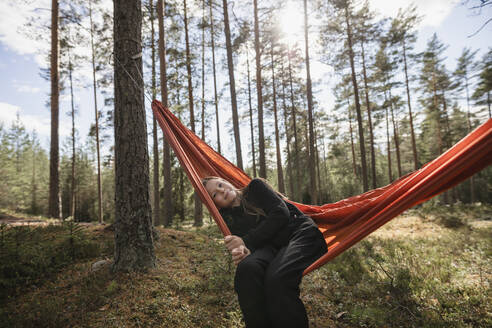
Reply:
x=22, y=89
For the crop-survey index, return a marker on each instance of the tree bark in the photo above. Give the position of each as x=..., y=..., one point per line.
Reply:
x=96, y=112
x=157, y=198
x=296, y=143
x=369, y=119
x=280, y=172
x=166, y=167
x=312, y=155
x=203, y=70
x=388, y=144
x=410, y=116
x=396, y=138
x=198, y=213
x=72, y=198
x=357, y=104
x=251, y=116
x=232, y=86
x=54, y=198
x=216, y=102
x=134, y=249
x=287, y=137
x=352, y=147
x=261, y=132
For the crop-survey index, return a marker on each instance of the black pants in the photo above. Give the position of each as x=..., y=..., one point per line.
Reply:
x=267, y=281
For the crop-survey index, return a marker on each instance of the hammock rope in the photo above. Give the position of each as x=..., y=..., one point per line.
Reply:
x=348, y=221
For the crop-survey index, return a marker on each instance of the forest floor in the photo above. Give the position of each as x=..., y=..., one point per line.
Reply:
x=430, y=267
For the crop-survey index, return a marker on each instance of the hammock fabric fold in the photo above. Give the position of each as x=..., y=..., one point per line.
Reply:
x=345, y=222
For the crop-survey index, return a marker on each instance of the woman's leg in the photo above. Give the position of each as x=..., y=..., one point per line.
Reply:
x=250, y=288
x=284, y=274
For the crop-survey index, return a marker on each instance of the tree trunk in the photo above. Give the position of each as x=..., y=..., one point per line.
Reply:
x=232, y=86
x=54, y=199
x=72, y=198
x=369, y=120
x=388, y=144
x=261, y=133
x=410, y=116
x=203, y=70
x=437, y=112
x=157, y=198
x=312, y=159
x=357, y=104
x=166, y=167
x=287, y=137
x=395, y=135
x=251, y=116
x=216, y=102
x=134, y=249
x=34, y=186
x=318, y=172
x=198, y=213
x=354, y=163
x=296, y=143
x=96, y=112
x=280, y=172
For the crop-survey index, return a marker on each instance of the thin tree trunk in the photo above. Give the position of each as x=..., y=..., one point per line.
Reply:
x=72, y=201
x=134, y=248
x=369, y=119
x=438, y=114
x=203, y=70
x=157, y=198
x=96, y=114
x=261, y=133
x=166, y=167
x=357, y=104
x=34, y=187
x=287, y=136
x=318, y=173
x=354, y=163
x=410, y=116
x=312, y=159
x=198, y=213
x=251, y=116
x=216, y=102
x=395, y=135
x=388, y=144
x=54, y=198
x=232, y=86
x=296, y=143
x=280, y=172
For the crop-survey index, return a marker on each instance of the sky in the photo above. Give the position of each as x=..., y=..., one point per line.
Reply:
x=24, y=92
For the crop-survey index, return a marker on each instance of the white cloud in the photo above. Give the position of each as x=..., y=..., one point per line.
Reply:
x=25, y=88
x=433, y=11
x=15, y=15
x=42, y=124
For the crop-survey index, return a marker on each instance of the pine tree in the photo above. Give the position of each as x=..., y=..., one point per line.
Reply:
x=484, y=86
x=134, y=249
x=403, y=33
x=54, y=202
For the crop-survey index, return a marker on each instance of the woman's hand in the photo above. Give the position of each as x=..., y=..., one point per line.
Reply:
x=232, y=242
x=238, y=254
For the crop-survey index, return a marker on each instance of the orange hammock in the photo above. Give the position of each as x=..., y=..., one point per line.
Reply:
x=345, y=222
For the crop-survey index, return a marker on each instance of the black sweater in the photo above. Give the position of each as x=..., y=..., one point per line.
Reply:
x=276, y=228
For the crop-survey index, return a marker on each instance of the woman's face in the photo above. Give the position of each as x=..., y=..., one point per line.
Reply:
x=222, y=193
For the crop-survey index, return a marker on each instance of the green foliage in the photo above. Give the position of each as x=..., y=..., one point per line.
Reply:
x=28, y=254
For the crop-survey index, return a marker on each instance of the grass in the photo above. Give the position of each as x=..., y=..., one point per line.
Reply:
x=428, y=268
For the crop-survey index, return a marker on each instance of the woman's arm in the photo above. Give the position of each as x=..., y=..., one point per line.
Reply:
x=277, y=214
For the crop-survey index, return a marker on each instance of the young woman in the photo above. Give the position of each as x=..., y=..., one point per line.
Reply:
x=272, y=242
